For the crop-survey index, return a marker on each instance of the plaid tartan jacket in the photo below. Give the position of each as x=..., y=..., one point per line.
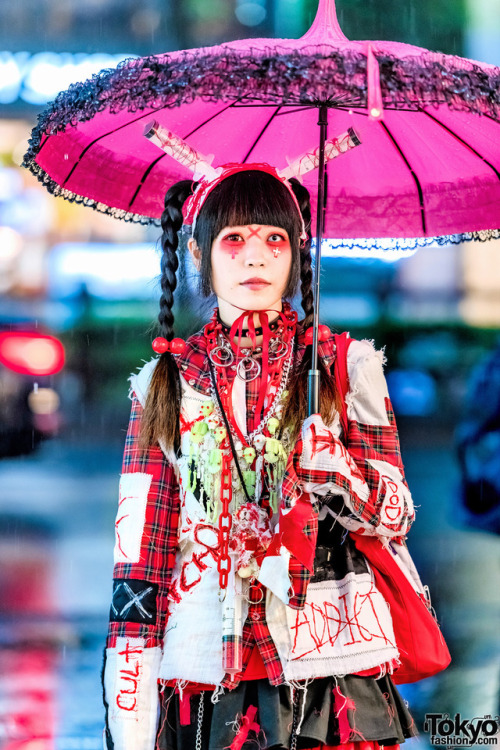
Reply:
x=363, y=487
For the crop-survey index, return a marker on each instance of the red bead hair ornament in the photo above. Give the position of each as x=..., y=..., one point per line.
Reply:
x=324, y=333
x=161, y=345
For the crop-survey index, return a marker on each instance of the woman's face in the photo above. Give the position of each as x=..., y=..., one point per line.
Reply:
x=250, y=268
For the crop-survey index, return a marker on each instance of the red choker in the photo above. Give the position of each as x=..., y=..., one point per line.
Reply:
x=277, y=340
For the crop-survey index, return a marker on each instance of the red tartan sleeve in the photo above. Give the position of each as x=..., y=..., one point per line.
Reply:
x=145, y=540
x=361, y=483
x=299, y=574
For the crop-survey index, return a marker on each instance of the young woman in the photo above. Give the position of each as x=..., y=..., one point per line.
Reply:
x=243, y=614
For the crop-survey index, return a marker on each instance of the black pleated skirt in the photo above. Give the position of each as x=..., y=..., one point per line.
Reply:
x=286, y=717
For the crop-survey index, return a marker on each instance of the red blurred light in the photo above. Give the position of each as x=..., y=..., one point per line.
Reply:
x=31, y=353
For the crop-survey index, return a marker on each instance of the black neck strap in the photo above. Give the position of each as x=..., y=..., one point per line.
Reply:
x=273, y=326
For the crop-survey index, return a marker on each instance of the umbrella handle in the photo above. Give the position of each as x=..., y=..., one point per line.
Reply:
x=313, y=381
x=349, y=140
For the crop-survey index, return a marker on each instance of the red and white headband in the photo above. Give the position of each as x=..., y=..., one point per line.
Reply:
x=194, y=203
x=209, y=177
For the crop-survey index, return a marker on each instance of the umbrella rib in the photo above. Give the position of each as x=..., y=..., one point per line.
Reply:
x=261, y=134
x=413, y=174
x=462, y=141
x=104, y=135
x=162, y=156
x=281, y=114
x=293, y=111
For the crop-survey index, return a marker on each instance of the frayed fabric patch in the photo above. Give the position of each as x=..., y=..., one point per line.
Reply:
x=341, y=705
x=131, y=516
x=129, y=656
x=131, y=692
x=133, y=601
x=344, y=628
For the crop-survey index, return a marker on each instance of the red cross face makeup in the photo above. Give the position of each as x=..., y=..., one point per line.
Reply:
x=250, y=268
x=233, y=242
x=254, y=232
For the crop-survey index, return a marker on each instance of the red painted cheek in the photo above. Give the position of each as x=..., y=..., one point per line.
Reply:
x=277, y=248
x=282, y=244
x=230, y=247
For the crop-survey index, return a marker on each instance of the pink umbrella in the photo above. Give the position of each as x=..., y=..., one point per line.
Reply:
x=429, y=164
x=429, y=124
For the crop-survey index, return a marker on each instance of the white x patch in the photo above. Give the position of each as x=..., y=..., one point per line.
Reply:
x=135, y=600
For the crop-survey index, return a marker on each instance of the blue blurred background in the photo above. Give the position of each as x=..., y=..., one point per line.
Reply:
x=89, y=282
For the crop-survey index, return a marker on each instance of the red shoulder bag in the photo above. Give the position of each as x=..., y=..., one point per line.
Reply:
x=422, y=648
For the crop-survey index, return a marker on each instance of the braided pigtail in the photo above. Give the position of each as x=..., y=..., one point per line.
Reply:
x=295, y=410
x=306, y=274
x=160, y=420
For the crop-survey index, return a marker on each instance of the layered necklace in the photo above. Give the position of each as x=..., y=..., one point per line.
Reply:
x=219, y=445
x=271, y=360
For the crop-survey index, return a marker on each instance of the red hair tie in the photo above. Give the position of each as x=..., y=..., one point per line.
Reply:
x=161, y=345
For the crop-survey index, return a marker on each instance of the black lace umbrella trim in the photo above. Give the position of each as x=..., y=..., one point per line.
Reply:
x=54, y=188
x=285, y=78
x=411, y=243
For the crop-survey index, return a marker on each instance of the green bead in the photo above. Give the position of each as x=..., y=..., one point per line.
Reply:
x=207, y=408
x=220, y=434
x=200, y=428
x=249, y=454
x=273, y=450
x=214, y=460
x=249, y=479
x=272, y=425
x=198, y=432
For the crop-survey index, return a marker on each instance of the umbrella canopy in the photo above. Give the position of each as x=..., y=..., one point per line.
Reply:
x=429, y=163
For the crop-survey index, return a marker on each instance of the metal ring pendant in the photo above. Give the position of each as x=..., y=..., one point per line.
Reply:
x=250, y=601
x=221, y=356
x=248, y=369
x=281, y=352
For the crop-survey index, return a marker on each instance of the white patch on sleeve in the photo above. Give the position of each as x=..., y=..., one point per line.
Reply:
x=322, y=452
x=131, y=689
x=131, y=515
x=368, y=388
x=396, y=510
x=394, y=502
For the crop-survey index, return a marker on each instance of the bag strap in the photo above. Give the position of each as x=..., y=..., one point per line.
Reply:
x=341, y=375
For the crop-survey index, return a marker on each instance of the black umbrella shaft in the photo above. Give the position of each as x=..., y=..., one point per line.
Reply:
x=313, y=381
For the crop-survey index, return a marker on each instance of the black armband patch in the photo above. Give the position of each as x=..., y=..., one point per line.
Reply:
x=133, y=601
